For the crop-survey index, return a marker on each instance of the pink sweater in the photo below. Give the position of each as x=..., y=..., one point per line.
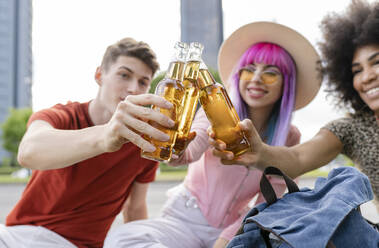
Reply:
x=223, y=191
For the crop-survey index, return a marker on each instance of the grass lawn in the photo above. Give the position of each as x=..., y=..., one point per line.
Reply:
x=171, y=175
x=176, y=175
x=180, y=174
x=316, y=173
x=9, y=179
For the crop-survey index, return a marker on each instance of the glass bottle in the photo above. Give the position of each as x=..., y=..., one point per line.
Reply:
x=191, y=96
x=172, y=89
x=221, y=113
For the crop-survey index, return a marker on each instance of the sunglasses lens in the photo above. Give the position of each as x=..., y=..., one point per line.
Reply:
x=246, y=75
x=267, y=77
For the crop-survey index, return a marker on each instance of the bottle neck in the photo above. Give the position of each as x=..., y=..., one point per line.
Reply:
x=192, y=70
x=175, y=70
x=205, y=79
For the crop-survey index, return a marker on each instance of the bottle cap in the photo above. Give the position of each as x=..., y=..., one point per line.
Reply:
x=195, y=51
x=181, y=51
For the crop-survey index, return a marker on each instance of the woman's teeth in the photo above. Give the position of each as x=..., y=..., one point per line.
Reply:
x=372, y=91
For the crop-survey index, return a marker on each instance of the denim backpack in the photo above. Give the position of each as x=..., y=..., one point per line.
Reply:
x=327, y=216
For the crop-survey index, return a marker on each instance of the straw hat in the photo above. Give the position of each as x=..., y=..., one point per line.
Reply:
x=300, y=49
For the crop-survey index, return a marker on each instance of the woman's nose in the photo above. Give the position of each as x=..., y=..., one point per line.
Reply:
x=257, y=77
x=369, y=75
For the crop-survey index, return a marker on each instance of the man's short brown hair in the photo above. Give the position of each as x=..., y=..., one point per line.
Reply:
x=132, y=48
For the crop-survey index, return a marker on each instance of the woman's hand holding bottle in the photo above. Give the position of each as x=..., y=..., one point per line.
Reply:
x=249, y=158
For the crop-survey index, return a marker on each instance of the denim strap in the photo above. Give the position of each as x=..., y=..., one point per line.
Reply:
x=267, y=189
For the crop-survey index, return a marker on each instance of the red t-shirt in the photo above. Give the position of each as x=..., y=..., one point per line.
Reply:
x=80, y=202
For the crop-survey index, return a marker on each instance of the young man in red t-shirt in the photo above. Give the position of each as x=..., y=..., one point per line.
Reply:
x=84, y=167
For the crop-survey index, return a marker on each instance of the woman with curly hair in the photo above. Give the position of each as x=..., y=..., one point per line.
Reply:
x=351, y=53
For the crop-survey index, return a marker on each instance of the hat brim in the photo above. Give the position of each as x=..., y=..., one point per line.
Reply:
x=308, y=81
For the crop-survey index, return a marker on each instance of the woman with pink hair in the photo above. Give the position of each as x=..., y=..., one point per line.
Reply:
x=263, y=67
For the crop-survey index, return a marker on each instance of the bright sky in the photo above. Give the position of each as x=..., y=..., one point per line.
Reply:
x=70, y=37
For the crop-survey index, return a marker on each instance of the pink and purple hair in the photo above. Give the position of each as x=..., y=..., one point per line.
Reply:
x=272, y=54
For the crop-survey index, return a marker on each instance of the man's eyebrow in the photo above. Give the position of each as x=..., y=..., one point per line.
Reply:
x=131, y=71
x=126, y=68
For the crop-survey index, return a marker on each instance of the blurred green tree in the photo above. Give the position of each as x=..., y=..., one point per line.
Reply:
x=215, y=74
x=156, y=80
x=13, y=129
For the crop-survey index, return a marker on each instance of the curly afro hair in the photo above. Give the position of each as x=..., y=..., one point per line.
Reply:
x=343, y=34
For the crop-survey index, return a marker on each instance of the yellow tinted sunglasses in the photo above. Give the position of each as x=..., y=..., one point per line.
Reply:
x=267, y=76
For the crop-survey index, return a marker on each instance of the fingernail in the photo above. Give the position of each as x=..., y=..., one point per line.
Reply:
x=174, y=156
x=168, y=105
x=150, y=148
x=166, y=137
x=171, y=123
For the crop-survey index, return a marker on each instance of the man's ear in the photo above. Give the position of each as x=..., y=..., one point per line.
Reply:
x=98, y=74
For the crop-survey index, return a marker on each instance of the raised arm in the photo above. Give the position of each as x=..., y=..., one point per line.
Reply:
x=45, y=147
x=294, y=161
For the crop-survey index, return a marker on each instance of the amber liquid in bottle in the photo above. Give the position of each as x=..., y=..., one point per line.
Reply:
x=172, y=90
x=189, y=103
x=221, y=114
